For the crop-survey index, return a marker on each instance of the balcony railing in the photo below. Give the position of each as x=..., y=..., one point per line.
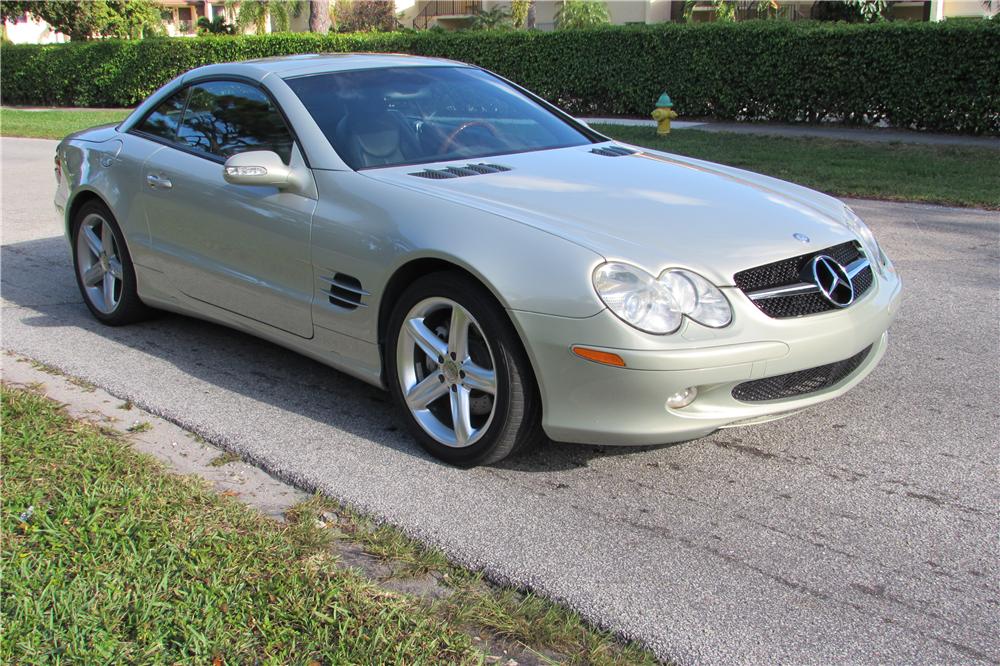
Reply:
x=435, y=8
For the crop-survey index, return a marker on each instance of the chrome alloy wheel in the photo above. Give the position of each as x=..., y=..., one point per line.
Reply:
x=446, y=372
x=99, y=263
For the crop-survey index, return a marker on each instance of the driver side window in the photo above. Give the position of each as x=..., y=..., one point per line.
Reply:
x=224, y=118
x=164, y=119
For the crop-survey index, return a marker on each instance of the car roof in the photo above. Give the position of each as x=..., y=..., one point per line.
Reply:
x=317, y=63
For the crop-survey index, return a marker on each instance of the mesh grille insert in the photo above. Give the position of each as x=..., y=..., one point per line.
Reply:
x=799, y=383
x=792, y=271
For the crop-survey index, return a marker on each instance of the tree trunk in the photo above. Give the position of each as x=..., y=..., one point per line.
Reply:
x=319, y=16
x=530, y=22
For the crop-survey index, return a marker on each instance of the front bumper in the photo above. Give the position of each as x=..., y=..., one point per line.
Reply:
x=590, y=403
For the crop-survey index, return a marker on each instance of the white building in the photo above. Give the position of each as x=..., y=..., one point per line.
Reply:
x=180, y=17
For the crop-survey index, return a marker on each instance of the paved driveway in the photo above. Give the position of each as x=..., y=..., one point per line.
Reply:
x=863, y=530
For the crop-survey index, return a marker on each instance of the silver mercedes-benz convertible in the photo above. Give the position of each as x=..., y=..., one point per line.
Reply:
x=505, y=271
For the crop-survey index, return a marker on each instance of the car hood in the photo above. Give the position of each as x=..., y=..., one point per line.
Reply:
x=652, y=209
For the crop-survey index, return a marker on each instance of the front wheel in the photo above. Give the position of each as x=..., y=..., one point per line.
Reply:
x=459, y=374
x=104, y=270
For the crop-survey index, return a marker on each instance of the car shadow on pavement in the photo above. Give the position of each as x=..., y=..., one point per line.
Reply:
x=37, y=275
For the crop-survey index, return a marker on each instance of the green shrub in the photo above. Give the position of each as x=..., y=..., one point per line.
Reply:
x=942, y=77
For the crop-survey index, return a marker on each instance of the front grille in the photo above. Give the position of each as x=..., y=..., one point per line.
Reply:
x=785, y=307
x=792, y=271
x=799, y=383
x=862, y=281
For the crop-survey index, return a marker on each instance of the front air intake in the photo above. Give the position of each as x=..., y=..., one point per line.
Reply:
x=803, y=382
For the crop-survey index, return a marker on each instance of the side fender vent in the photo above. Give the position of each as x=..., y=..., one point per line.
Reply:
x=613, y=151
x=460, y=171
x=345, y=291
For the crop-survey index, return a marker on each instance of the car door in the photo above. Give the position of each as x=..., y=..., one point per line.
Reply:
x=238, y=247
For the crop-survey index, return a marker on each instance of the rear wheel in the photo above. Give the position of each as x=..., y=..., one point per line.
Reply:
x=458, y=372
x=104, y=270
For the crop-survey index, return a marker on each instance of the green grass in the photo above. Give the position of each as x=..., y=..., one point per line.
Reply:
x=223, y=459
x=139, y=427
x=952, y=175
x=122, y=562
x=54, y=124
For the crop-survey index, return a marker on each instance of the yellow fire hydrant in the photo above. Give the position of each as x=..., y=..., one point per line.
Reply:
x=663, y=114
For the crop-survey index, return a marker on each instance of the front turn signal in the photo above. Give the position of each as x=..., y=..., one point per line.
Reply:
x=598, y=356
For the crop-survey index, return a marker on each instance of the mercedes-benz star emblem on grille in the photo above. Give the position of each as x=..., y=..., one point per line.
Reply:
x=832, y=280
x=801, y=237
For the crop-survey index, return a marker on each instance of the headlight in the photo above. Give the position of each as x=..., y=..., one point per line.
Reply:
x=872, y=249
x=659, y=305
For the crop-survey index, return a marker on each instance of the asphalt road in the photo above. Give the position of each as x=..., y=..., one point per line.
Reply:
x=865, y=530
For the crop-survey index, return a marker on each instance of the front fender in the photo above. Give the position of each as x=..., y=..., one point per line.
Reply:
x=368, y=229
x=86, y=172
x=111, y=170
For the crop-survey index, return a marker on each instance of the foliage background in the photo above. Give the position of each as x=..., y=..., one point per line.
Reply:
x=943, y=76
x=82, y=20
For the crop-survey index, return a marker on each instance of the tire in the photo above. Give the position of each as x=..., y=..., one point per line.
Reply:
x=498, y=424
x=100, y=256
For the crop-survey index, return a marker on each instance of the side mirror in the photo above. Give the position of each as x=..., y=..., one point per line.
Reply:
x=258, y=167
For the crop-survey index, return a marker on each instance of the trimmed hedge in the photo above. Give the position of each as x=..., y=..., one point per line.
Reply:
x=943, y=76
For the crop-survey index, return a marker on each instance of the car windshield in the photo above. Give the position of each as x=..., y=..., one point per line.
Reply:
x=411, y=115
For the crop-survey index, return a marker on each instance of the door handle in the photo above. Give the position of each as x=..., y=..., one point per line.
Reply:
x=158, y=182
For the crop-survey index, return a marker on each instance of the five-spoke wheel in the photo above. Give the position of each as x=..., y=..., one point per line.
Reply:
x=98, y=263
x=446, y=371
x=459, y=373
x=104, y=268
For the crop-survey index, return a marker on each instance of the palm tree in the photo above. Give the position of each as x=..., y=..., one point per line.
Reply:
x=260, y=13
x=319, y=16
x=494, y=18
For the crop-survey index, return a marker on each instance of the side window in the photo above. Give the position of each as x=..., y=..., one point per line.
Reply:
x=224, y=118
x=165, y=118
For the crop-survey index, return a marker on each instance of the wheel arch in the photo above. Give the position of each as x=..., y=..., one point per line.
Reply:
x=416, y=268
x=81, y=197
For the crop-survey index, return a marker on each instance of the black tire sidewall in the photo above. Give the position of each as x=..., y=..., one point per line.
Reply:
x=501, y=437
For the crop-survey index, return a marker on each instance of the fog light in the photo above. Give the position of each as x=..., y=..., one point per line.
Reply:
x=682, y=398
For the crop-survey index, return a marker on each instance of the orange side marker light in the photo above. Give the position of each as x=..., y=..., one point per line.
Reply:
x=597, y=356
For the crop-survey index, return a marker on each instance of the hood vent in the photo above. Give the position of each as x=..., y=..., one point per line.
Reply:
x=613, y=151
x=460, y=172
x=345, y=291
